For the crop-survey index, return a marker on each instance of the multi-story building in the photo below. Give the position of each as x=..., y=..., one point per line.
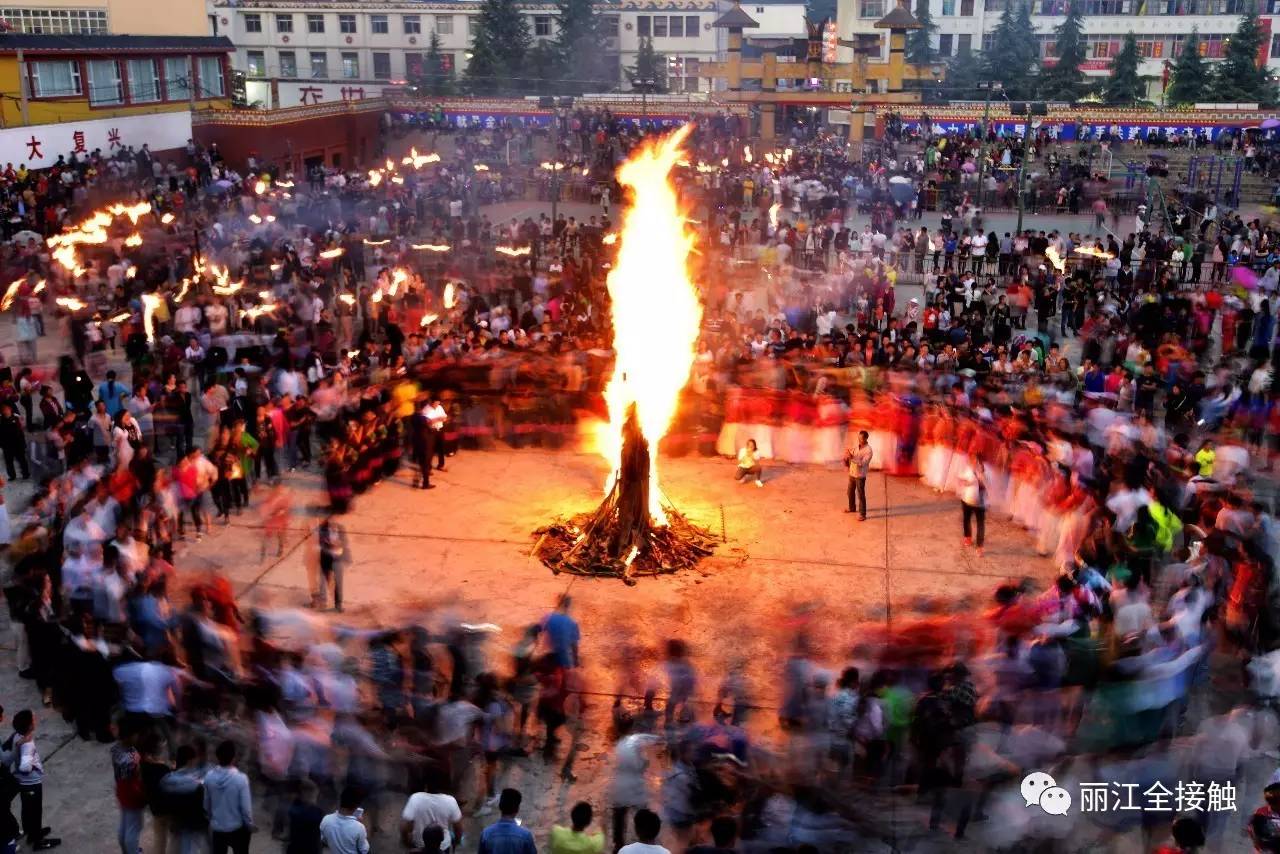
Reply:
x=105, y=76
x=1161, y=27
x=315, y=51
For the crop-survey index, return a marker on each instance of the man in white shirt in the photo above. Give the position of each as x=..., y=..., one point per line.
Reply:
x=435, y=416
x=648, y=826
x=431, y=808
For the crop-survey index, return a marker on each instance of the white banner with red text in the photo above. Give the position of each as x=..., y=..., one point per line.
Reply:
x=39, y=146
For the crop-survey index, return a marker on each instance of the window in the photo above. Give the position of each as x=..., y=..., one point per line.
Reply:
x=871, y=9
x=1107, y=7
x=659, y=26
x=412, y=25
x=177, y=78
x=144, y=80
x=948, y=7
x=381, y=65
x=1275, y=47
x=1048, y=46
x=1212, y=45
x=350, y=65
x=55, y=78
x=104, y=82
x=212, y=84
x=542, y=25
x=609, y=26
x=57, y=21
x=988, y=41
x=255, y=62
x=284, y=23
x=252, y=22
x=472, y=25
x=690, y=26
x=676, y=26
x=378, y=25
x=945, y=44
x=288, y=64
x=347, y=24
x=315, y=24
x=444, y=25
x=966, y=8
x=319, y=65
x=1151, y=48
x=642, y=26
x=964, y=44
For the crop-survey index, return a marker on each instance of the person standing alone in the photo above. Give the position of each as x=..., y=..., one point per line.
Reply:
x=973, y=502
x=859, y=462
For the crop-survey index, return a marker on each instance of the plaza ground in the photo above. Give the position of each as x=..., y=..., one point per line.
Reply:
x=461, y=552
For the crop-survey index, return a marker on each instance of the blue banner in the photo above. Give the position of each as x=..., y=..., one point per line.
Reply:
x=489, y=120
x=1072, y=131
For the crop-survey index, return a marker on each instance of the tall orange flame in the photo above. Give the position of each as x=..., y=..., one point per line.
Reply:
x=656, y=310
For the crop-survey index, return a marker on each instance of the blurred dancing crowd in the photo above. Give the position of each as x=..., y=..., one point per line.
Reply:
x=1115, y=403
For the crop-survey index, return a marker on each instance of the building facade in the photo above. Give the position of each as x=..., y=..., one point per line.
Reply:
x=1161, y=27
x=86, y=17
x=292, y=51
x=105, y=76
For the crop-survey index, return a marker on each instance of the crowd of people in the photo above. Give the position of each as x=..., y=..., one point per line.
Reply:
x=1117, y=402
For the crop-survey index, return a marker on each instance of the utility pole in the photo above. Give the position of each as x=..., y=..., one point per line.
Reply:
x=989, y=85
x=1029, y=110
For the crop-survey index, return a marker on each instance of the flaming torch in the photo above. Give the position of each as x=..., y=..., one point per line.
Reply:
x=633, y=532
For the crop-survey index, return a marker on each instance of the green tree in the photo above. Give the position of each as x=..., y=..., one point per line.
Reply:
x=1014, y=56
x=1064, y=81
x=433, y=78
x=650, y=65
x=577, y=46
x=498, y=49
x=1124, y=86
x=919, y=46
x=964, y=72
x=1238, y=78
x=1189, y=77
x=542, y=68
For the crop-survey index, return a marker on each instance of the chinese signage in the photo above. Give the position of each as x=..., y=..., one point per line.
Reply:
x=1078, y=131
x=491, y=120
x=39, y=146
x=296, y=93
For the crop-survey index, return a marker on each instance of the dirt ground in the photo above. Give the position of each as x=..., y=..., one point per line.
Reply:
x=789, y=557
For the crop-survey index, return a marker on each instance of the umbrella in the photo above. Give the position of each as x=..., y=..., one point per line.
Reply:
x=899, y=179
x=1244, y=277
x=1268, y=124
x=901, y=192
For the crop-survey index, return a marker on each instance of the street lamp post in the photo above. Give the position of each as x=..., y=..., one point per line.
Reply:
x=644, y=85
x=990, y=86
x=1037, y=109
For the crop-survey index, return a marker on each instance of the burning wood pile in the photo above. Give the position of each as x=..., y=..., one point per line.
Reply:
x=656, y=315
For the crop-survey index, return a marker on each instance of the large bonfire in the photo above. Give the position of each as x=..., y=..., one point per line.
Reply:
x=656, y=316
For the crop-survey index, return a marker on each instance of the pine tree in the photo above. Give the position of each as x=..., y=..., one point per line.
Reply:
x=1124, y=86
x=1014, y=54
x=1189, y=77
x=498, y=49
x=1064, y=81
x=542, y=68
x=650, y=65
x=919, y=42
x=434, y=78
x=964, y=72
x=577, y=47
x=1238, y=79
